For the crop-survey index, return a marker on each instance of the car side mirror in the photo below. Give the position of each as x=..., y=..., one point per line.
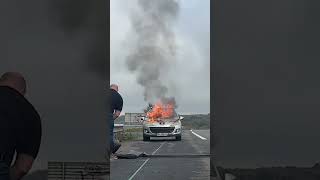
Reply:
x=181, y=118
x=142, y=117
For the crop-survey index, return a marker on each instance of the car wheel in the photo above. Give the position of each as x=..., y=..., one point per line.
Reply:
x=178, y=138
x=146, y=138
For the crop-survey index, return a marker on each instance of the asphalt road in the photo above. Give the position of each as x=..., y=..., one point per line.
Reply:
x=166, y=168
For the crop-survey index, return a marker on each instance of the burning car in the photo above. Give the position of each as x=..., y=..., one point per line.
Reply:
x=161, y=121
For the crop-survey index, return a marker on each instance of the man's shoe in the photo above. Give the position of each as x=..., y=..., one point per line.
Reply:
x=113, y=157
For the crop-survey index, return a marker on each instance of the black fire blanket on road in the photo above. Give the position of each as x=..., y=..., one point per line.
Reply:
x=135, y=154
x=131, y=155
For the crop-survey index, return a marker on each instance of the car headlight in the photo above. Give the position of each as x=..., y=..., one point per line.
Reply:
x=146, y=131
x=178, y=130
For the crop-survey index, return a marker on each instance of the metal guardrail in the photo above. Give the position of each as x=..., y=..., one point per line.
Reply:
x=78, y=170
x=132, y=126
x=119, y=131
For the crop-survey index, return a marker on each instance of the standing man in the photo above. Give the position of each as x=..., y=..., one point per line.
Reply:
x=115, y=109
x=20, y=128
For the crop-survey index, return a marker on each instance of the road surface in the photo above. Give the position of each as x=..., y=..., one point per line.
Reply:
x=196, y=142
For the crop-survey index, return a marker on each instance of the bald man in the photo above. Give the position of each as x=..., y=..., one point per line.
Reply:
x=20, y=128
x=115, y=111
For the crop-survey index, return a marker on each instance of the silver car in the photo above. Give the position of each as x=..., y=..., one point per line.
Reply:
x=162, y=127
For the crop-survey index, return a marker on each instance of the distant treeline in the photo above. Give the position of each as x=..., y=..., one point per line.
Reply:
x=196, y=121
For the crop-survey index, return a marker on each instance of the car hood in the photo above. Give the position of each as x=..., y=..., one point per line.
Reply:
x=162, y=122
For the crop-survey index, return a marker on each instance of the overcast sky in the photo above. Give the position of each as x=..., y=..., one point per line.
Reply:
x=188, y=79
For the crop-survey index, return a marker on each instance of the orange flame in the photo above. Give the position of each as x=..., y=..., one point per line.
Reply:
x=161, y=110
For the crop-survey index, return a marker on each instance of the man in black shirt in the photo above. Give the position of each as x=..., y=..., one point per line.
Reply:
x=20, y=128
x=115, y=110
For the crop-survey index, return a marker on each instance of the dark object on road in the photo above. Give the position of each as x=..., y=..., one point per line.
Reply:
x=175, y=155
x=135, y=154
x=131, y=155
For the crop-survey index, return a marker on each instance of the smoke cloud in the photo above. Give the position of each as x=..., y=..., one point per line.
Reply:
x=154, y=48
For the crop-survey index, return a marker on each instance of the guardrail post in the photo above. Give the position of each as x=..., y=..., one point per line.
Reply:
x=119, y=131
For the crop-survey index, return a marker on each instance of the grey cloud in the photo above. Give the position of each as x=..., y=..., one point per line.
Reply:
x=153, y=21
x=186, y=77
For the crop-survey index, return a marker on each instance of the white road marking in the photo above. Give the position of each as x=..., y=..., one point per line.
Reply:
x=145, y=162
x=131, y=177
x=198, y=135
x=158, y=148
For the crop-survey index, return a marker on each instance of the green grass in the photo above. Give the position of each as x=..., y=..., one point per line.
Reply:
x=133, y=130
x=133, y=134
x=197, y=121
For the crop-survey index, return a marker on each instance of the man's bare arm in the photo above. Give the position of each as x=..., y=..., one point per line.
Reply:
x=21, y=167
x=116, y=114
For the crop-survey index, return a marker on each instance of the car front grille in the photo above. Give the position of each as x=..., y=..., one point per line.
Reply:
x=161, y=129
